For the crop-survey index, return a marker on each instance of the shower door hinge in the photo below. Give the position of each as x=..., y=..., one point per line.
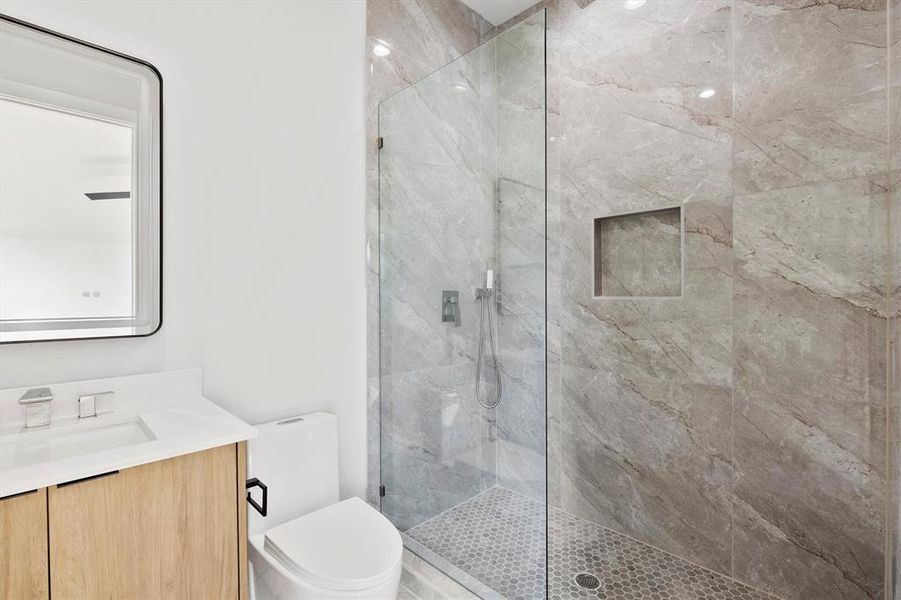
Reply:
x=381, y=143
x=382, y=490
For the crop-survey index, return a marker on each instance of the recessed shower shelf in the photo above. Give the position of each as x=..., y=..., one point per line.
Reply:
x=638, y=255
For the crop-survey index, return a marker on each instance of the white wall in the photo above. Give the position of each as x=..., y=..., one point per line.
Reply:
x=263, y=207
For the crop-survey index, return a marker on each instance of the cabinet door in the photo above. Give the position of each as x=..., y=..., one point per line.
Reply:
x=163, y=530
x=23, y=546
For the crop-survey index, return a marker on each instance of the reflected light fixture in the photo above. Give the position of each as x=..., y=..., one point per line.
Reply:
x=381, y=50
x=708, y=93
x=633, y=4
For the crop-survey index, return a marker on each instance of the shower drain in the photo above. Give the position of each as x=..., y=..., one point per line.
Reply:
x=588, y=581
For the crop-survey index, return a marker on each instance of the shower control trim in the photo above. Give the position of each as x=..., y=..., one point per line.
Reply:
x=450, y=307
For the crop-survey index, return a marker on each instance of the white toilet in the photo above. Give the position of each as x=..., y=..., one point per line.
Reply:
x=310, y=545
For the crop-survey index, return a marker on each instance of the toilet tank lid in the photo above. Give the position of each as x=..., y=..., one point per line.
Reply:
x=346, y=546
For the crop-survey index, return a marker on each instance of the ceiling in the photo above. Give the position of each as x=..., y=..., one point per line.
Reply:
x=499, y=11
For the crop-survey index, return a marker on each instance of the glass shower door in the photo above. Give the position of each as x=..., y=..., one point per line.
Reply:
x=462, y=314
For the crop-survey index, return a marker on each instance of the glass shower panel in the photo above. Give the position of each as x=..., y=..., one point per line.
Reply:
x=462, y=296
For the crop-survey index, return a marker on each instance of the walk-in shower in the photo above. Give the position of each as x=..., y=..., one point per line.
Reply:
x=691, y=211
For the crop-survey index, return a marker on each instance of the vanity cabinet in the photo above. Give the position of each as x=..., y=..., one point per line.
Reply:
x=169, y=529
x=23, y=546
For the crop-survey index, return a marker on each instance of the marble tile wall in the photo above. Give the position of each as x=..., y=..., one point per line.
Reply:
x=646, y=383
x=461, y=184
x=810, y=193
x=742, y=426
x=437, y=232
x=521, y=217
x=422, y=35
x=893, y=372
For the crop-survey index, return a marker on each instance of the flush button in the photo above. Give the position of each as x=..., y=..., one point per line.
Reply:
x=87, y=406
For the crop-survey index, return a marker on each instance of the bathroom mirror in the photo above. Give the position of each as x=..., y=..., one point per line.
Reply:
x=80, y=189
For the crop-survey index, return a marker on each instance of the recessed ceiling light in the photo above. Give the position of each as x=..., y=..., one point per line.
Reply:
x=633, y=4
x=381, y=50
x=708, y=93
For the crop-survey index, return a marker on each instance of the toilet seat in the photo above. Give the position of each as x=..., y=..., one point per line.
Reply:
x=346, y=546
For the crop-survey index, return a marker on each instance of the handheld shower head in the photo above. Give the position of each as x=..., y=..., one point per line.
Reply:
x=484, y=297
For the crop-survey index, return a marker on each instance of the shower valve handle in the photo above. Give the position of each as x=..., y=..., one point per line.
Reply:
x=450, y=307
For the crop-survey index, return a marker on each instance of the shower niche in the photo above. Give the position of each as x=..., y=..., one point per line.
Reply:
x=638, y=254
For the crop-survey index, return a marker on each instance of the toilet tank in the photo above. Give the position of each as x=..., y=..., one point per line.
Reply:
x=297, y=458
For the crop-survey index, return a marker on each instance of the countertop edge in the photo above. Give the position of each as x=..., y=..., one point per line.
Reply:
x=36, y=483
x=226, y=429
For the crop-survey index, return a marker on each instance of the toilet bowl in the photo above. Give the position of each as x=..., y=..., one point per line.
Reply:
x=310, y=545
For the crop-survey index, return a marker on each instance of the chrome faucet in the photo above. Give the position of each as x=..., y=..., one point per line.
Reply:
x=37, y=406
x=87, y=405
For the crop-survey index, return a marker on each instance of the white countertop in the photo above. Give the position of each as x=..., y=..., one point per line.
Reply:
x=169, y=404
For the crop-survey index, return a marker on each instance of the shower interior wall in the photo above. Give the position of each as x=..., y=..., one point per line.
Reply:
x=461, y=191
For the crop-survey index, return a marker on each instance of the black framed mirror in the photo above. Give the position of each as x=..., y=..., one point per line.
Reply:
x=80, y=189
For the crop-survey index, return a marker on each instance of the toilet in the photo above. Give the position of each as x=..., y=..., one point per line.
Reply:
x=310, y=545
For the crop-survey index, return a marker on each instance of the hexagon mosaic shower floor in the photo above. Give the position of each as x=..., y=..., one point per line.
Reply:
x=497, y=537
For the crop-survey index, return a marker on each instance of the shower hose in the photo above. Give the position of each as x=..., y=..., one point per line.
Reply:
x=484, y=305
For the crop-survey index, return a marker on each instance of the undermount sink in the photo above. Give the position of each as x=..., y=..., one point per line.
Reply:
x=77, y=439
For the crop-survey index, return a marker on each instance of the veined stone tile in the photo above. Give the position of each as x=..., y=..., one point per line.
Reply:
x=790, y=341
x=640, y=427
x=829, y=238
x=637, y=135
x=649, y=458
x=524, y=398
x=521, y=62
x=686, y=339
x=438, y=232
x=809, y=300
x=808, y=508
x=522, y=290
x=522, y=469
x=521, y=338
x=431, y=435
x=433, y=138
x=810, y=389
x=810, y=92
x=893, y=517
x=432, y=177
x=520, y=142
x=373, y=467
x=555, y=435
x=488, y=448
x=423, y=35
x=521, y=225
x=694, y=23
x=521, y=206
x=521, y=249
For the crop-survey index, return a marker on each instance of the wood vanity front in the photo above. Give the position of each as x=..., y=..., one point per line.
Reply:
x=175, y=529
